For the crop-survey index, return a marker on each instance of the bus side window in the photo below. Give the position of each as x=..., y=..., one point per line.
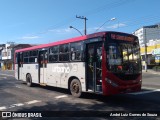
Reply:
x=64, y=52
x=33, y=56
x=53, y=54
x=26, y=57
x=21, y=59
x=17, y=59
x=76, y=51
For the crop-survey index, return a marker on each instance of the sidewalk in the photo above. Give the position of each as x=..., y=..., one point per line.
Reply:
x=7, y=72
x=151, y=71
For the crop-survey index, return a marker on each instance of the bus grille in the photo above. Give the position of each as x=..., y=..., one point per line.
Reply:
x=127, y=77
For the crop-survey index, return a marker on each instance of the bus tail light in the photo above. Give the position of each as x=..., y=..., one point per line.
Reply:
x=111, y=82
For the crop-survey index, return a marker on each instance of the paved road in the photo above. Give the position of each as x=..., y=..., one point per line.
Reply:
x=151, y=79
x=16, y=96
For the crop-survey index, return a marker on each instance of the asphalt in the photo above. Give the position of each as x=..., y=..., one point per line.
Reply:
x=151, y=71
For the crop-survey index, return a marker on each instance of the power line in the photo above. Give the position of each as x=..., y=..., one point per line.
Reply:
x=109, y=5
x=138, y=21
x=91, y=12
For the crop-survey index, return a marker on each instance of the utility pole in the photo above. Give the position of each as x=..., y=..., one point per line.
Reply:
x=145, y=45
x=85, y=19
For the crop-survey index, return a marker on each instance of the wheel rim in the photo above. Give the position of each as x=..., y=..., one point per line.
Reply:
x=75, y=88
x=28, y=79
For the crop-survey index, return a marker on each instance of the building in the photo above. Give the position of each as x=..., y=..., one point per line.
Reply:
x=153, y=54
x=149, y=39
x=1, y=61
x=147, y=33
x=7, y=54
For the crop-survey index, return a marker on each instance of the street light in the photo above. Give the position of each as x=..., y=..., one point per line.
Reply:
x=76, y=29
x=105, y=23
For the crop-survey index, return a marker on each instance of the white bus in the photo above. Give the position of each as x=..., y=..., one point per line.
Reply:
x=94, y=63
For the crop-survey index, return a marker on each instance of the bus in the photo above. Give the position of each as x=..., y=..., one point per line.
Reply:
x=105, y=63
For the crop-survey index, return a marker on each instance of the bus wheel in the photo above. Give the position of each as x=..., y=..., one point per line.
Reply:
x=29, y=80
x=75, y=88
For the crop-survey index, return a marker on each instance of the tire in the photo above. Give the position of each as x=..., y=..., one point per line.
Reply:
x=76, y=88
x=29, y=80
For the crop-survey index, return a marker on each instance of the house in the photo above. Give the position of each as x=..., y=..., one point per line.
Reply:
x=7, y=54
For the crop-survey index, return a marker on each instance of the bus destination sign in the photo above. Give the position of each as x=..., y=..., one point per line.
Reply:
x=120, y=37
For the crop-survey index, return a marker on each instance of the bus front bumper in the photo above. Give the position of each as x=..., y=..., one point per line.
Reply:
x=112, y=88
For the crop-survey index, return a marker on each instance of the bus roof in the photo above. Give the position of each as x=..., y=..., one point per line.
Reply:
x=81, y=38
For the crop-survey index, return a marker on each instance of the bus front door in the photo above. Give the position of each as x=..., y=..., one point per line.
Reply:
x=94, y=66
x=43, y=67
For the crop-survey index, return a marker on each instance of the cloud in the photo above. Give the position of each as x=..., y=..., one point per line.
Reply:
x=61, y=31
x=97, y=29
x=94, y=29
x=29, y=37
x=117, y=26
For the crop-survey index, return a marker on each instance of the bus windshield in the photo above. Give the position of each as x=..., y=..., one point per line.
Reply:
x=123, y=57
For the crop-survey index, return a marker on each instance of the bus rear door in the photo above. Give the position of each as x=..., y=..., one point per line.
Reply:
x=19, y=67
x=43, y=57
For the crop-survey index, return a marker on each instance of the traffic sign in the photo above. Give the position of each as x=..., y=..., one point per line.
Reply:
x=156, y=51
x=157, y=57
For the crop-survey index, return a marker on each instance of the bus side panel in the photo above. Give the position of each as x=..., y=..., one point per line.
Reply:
x=31, y=69
x=58, y=74
x=77, y=69
x=16, y=71
x=52, y=77
x=20, y=73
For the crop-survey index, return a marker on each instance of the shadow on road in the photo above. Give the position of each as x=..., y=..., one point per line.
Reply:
x=98, y=107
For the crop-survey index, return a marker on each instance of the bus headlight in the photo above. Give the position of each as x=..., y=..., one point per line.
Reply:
x=111, y=82
x=140, y=81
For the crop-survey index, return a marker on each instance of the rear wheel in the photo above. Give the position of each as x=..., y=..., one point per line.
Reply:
x=29, y=80
x=75, y=88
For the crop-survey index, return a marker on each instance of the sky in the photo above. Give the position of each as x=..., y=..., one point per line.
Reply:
x=45, y=21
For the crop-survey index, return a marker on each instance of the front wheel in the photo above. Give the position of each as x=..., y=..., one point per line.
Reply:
x=75, y=88
x=29, y=80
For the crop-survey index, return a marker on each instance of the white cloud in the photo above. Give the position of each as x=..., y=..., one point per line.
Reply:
x=29, y=37
x=103, y=28
x=92, y=29
x=117, y=26
x=61, y=31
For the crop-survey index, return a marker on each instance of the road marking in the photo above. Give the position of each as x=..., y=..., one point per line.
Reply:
x=18, y=86
x=32, y=102
x=3, y=108
x=61, y=96
x=19, y=104
x=148, y=88
x=16, y=105
x=145, y=92
x=4, y=77
x=7, y=75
